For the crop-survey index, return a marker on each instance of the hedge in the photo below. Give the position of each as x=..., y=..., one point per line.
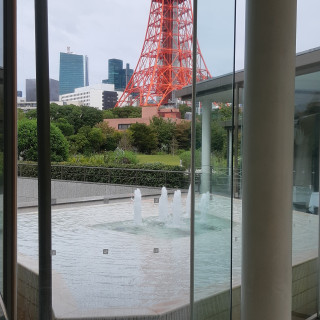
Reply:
x=154, y=175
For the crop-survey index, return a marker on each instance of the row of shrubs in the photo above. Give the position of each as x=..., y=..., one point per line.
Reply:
x=155, y=175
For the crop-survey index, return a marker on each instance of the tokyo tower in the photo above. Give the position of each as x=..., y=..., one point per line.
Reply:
x=165, y=63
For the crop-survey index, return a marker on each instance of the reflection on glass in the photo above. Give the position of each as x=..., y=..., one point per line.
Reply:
x=306, y=189
x=212, y=247
x=3, y=313
x=306, y=156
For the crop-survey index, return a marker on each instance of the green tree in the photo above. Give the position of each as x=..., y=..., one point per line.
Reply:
x=106, y=129
x=75, y=115
x=27, y=140
x=59, y=145
x=85, y=130
x=144, y=138
x=182, y=133
x=127, y=112
x=108, y=114
x=90, y=116
x=31, y=114
x=198, y=133
x=218, y=137
x=125, y=142
x=112, y=136
x=82, y=141
x=123, y=112
x=223, y=113
x=112, y=141
x=174, y=146
x=165, y=132
x=79, y=143
x=28, y=143
x=21, y=114
x=96, y=139
x=66, y=128
x=183, y=108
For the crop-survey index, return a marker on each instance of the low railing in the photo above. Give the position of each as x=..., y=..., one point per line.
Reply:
x=128, y=176
x=220, y=177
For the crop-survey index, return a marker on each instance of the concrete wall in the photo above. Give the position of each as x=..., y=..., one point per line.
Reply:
x=304, y=296
x=66, y=190
x=28, y=293
x=304, y=287
x=215, y=307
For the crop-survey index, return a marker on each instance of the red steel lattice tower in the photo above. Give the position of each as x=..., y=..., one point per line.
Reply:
x=165, y=63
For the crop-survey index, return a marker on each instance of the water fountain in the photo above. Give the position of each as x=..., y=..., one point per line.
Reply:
x=100, y=244
x=163, y=205
x=204, y=206
x=177, y=208
x=137, y=207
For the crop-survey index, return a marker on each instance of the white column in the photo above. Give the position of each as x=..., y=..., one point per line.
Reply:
x=206, y=148
x=268, y=159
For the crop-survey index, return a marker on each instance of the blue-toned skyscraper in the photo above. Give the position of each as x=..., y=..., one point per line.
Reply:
x=73, y=72
x=117, y=75
x=115, y=67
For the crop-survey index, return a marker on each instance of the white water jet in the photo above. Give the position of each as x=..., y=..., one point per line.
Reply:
x=204, y=206
x=163, y=205
x=188, y=203
x=177, y=208
x=137, y=207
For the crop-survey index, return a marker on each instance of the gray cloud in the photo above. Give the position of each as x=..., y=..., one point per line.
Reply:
x=116, y=29
x=99, y=29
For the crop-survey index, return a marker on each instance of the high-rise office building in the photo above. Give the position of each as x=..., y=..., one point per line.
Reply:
x=127, y=74
x=73, y=72
x=115, y=67
x=117, y=75
x=31, y=90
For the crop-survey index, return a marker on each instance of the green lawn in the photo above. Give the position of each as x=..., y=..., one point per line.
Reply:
x=164, y=158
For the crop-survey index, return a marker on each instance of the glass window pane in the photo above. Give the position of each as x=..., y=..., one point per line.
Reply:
x=1, y=146
x=117, y=251
x=213, y=214
x=27, y=184
x=306, y=191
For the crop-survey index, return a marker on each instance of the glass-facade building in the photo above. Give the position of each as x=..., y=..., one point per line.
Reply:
x=115, y=67
x=118, y=75
x=73, y=72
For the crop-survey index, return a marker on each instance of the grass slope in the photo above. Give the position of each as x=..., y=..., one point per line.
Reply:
x=163, y=158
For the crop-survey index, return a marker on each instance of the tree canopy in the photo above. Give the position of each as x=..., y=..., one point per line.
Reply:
x=77, y=116
x=123, y=112
x=28, y=143
x=164, y=130
x=144, y=138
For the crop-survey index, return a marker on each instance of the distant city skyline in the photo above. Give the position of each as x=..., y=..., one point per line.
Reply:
x=110, y=29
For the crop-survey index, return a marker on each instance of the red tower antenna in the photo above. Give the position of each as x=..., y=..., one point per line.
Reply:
x=165, y=63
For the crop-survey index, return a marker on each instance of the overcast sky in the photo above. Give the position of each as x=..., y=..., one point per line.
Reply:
x=105, y=29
